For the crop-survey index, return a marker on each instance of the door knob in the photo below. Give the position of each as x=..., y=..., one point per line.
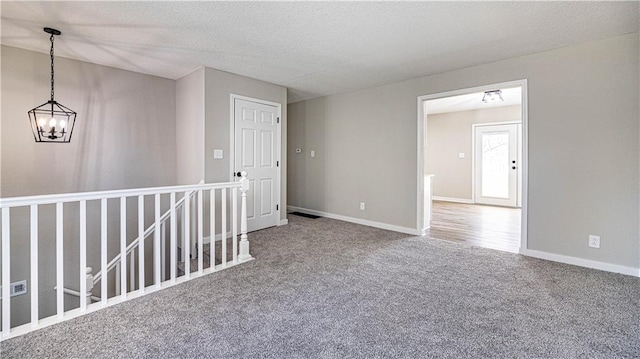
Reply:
x=513, y=168
x=239, y=174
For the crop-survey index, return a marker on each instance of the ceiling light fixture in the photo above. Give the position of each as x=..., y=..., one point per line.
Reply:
x=490, y=96
x=52, y=122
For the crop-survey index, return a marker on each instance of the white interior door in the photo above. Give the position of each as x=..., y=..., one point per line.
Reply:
x=496, y=164
x=256, y=137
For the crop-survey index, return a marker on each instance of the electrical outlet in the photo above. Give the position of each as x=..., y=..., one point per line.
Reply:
x=362, y=206
x=16, y=288
x=594, y=241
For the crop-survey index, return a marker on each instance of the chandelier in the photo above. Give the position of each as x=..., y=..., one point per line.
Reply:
x=52, y=122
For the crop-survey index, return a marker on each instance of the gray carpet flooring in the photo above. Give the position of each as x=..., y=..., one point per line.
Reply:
x=321, y=288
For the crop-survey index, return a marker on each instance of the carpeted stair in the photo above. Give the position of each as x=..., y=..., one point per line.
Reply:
x=206, y=258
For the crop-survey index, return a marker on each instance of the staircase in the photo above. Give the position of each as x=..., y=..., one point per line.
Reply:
x=206, y=261
x=170, y=249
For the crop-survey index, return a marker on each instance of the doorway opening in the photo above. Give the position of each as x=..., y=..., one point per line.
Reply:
x=472, y=165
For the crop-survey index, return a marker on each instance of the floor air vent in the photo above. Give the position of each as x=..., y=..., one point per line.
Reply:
x=313, y=216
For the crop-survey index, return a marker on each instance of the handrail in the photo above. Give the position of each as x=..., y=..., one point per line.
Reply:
x=147, y=232
x=75, y=293
x=193, y=234
x=89, y=196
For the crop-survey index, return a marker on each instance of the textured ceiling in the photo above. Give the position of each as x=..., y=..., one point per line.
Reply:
x=312, y=48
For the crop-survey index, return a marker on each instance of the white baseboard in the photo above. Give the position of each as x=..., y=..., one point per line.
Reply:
x=364, y=222
x=527, y=252
x=452, y=199
x=607, y=267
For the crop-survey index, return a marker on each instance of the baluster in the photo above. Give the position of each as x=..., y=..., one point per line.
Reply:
x=59, y=261
x=103, y=251
x=132, y=269
x=200, y=234
x=83, y=255
x=118, y=278
x=156, y=243
x=183, y=230
x=141, y=243
x=174, y=240
x=34, y=266
x=6, y=273
x=123, y=247
x=234, y=223
x=187, y=235
x=163, y=250
x=193, y=228
x=244, y=243
x=223, y=235
x=212, y=228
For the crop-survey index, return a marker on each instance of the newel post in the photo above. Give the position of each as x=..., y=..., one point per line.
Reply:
x=244, y=243
x=89, y=282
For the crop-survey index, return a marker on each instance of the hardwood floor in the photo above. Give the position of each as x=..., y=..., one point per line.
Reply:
x=478, y=225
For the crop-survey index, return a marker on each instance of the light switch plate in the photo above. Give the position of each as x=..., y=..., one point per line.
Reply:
x=218, y=154
x=461, y=155
x=313, y=153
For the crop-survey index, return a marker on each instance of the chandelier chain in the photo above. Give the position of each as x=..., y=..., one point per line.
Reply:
x=51, y=53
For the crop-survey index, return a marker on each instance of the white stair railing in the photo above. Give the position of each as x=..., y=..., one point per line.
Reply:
x=152, y=229
x=128, y=248
x=115, y=262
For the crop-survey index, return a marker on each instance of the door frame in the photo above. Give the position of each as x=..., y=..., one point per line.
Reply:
x=518, y=155
x=422, y=227
x=232, y=144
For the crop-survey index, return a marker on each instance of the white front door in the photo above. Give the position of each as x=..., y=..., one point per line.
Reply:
x=496, y=164
x=256, y=137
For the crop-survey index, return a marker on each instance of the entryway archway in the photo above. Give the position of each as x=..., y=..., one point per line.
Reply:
x=512, y=173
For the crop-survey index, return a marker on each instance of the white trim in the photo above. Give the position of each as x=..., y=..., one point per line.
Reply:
x=587, y=263
x=90, y=196
x=496, y=123
x=524, y=106
x=283, y=222
x=232, y=142
x=454, y=200
x=204, y=123
x=364, y=222
x=421, y=146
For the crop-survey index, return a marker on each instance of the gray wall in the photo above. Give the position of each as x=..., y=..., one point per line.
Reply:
x=583, y=147
x=190, y=128
x=449, y=134
x=219, y=86
x=120, y=140
x=124, y=138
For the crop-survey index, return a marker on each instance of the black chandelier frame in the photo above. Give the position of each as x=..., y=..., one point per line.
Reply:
x=52, y=122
